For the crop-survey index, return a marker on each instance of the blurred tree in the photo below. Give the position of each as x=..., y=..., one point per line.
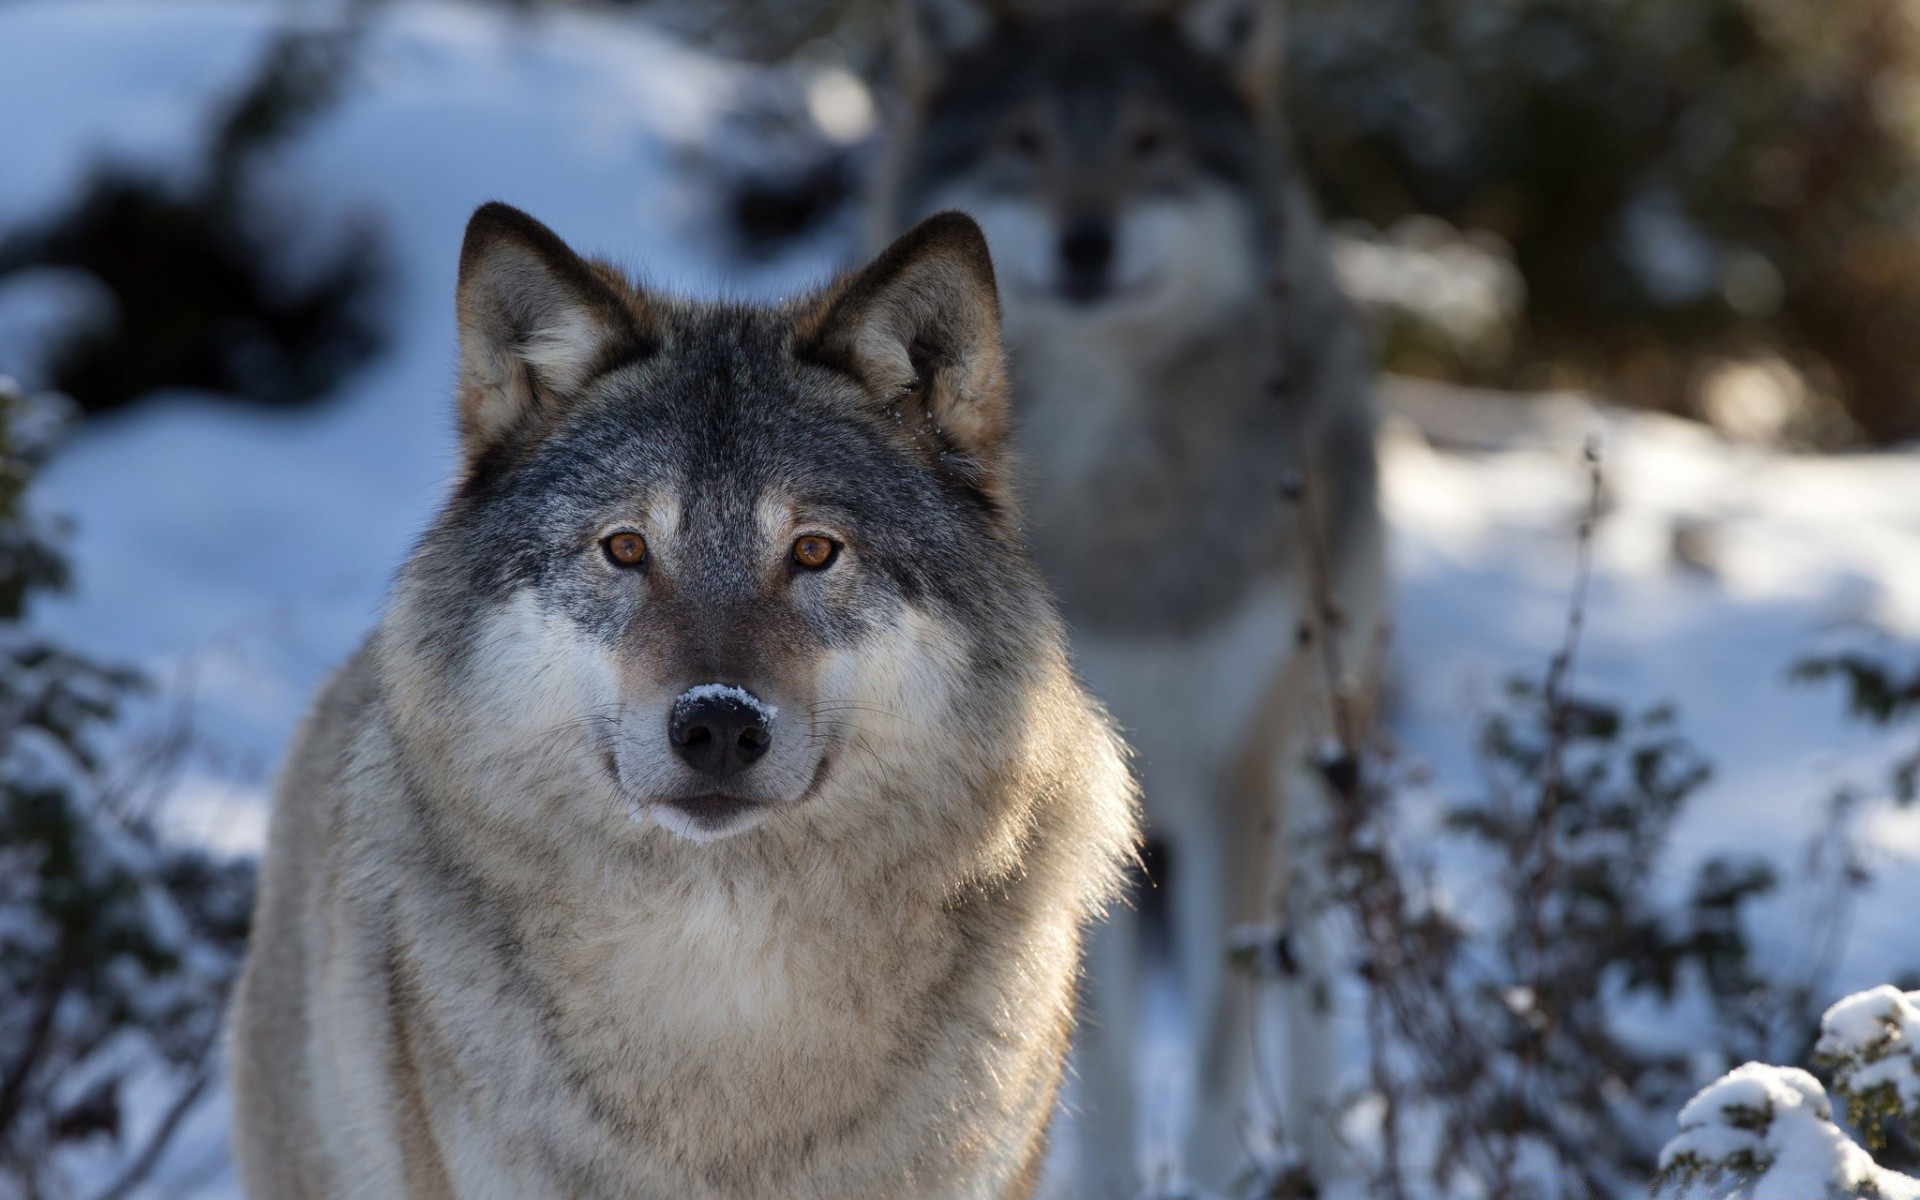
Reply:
x=1681, y=182
x=201, y=276
x=775, y=30
x=117, y=948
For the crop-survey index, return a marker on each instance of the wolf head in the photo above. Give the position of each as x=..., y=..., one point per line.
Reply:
x=708, y=564
x=1116, y=156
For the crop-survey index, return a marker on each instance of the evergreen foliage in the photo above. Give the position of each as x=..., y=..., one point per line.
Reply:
x=117, y=947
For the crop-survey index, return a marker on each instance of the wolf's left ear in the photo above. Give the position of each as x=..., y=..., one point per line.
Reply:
x=919, y=329
x=1247, y=37
x=537, y=322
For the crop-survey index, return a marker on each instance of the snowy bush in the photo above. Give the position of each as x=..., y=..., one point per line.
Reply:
x=1522, y=966
x=1868, y=1042
x=116, y=947
x=1499, y=1061
x=1767, y=1133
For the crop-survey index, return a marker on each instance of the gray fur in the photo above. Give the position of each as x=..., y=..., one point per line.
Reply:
x=1161, y=419
x=506, y=947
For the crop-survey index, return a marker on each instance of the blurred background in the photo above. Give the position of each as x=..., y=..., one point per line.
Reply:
x=1685, y=232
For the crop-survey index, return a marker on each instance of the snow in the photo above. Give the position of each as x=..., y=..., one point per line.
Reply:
x=1868, y=1019
x=239, y=555
x=1468, y=292
x=726, y=691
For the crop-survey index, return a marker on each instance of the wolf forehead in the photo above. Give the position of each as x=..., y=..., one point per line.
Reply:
x=718, y=414
x=1088, y=72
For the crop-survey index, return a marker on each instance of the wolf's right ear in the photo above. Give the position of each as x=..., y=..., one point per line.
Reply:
x=919, y=330
x=537, y=322
x=1247, y=38
x=933, y=33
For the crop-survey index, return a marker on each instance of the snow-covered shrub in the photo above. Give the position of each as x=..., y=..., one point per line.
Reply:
x=1767, y=1133
x=116, y=947
x=1867, y=1040
x=1499, y=1061
x=1520, y=966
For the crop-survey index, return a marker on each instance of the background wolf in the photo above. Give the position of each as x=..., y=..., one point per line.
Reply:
x=713, y=812
x=1179, y=349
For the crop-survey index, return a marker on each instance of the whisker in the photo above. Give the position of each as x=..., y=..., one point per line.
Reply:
x=849, y=706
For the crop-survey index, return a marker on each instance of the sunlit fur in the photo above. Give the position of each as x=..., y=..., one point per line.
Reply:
x=503, y=947
x=1157, y=450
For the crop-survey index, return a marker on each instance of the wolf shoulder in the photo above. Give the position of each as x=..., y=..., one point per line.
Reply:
x=271, y=1024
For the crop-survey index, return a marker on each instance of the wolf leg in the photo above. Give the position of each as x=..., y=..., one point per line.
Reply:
x=1178, y=928
x=1157, y=970
x=1221, y=995
x=1102, y=1086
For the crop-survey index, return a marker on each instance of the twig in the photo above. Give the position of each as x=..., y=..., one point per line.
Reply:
x=13, y=1090
x=142, y=1165
x=1555, y=698
x=1341, y=772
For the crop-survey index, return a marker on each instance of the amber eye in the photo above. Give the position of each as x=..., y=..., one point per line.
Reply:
x=814, y=552
x=1149, y=142
x=626, y=549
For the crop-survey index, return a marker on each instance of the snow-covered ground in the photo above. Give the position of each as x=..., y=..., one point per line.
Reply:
x=240, y=554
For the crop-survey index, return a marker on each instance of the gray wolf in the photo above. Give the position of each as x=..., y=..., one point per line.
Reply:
x=1180, y=353
x=713, y=812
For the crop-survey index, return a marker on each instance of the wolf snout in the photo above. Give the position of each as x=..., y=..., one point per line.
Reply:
x=720, y=730
x=1086, y=253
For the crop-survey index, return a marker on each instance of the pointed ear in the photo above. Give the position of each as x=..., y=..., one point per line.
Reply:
x=537, y=322
x=919, y=330
x=1246, y=37
x=934, y=33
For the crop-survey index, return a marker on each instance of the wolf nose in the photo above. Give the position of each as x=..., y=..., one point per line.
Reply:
x=1086, y=251
x=719, y=731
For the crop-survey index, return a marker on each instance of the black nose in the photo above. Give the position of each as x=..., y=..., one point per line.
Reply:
x=719, y=731
x=1086, y=252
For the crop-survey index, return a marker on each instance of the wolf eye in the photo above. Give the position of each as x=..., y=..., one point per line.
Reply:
x=1025, y=141
x=814, y=552
x=625, y=549
x=1149, y=142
